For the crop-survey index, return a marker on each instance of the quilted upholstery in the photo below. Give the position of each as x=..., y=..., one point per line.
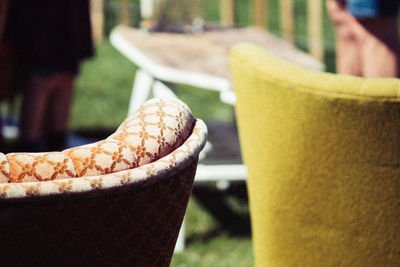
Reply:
x=323, y=157
x=123, y=218
x=153, y=131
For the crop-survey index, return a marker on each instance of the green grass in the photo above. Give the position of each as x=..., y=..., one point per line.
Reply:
x=103, y=89
x=209, y=244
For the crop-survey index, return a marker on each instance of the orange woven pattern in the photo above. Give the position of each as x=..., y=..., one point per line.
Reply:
x=40, y=166
x=153, y=131
x=5, y=175
x=126, y=218
x=101, y=158
x=165, y=167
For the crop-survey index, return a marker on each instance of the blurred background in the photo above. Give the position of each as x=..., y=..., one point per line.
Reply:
x=106, y=80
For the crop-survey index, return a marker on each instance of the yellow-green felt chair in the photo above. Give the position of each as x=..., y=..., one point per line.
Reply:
x=323, y=157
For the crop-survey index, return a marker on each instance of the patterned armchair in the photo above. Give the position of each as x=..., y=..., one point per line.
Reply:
x=117, y=202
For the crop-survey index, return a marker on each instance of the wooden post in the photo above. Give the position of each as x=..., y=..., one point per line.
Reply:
x=97, y=19
x=259, y=9
x=287, y=20
x=124, y=15
x=314, y=21
x=227, y=12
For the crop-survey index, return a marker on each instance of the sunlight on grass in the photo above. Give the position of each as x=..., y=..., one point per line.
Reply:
x=205, y=104
x=218, y=252
x=209, y=245
x=104, y=87
x=102, y=90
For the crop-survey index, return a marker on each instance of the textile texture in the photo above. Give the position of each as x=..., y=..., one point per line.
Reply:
x=103, y=204
x=153, y=131
x=323, y=157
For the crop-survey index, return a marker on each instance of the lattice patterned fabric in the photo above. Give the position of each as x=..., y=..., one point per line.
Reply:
x=153, y=131
x=30, y=167
x=123, y=218
x=170, y=164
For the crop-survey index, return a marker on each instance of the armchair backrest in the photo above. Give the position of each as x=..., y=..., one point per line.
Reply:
x=104, y=216
x=323, y=157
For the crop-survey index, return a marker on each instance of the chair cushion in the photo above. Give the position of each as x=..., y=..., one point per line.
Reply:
x=157, y=128
x=102, y=157
x=40, y=166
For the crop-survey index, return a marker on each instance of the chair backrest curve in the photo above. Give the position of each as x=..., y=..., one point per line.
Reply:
x=93, y=186
x=293, y=76
x=153, y=131
x=323, y=157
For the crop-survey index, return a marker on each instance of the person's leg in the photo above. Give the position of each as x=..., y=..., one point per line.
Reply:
x=33, y=109
x=58, y=111
x=348, y=57
x=374, y=26
x=379, y=44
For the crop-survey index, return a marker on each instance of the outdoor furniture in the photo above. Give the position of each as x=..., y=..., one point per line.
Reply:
x=199, y=60
x=117, y=202
x=323, y=153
